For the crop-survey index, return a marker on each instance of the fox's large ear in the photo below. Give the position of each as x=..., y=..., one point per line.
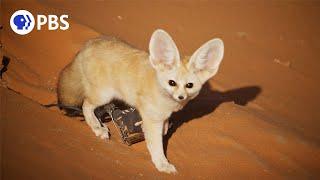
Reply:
x=164, y=53
x=206, y=60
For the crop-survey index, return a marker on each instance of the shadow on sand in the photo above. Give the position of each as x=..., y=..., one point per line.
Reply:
x=206, y=102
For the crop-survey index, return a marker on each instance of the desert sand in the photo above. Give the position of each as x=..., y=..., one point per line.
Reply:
x=258, y=118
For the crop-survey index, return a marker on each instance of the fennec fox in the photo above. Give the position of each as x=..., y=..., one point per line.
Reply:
x=157, y=83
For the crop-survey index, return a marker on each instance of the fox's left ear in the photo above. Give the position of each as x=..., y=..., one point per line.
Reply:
x=206, y=60
x=164, y=54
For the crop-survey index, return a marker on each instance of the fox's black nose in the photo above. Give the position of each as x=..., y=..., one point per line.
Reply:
x=181, y=97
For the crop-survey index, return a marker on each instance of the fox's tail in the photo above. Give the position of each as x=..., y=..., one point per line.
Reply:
x=70, y=89
x=69, y=110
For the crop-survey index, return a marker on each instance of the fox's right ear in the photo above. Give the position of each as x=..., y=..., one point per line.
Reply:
x=206, y=60
x=163, y=51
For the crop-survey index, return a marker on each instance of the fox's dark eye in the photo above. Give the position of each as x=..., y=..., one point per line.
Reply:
x=172, y=83
x=189, y=85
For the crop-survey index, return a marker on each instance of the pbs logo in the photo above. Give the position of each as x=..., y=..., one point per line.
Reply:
x=22, y=22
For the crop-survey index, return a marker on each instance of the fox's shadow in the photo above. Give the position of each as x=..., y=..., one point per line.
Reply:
x=206, y=102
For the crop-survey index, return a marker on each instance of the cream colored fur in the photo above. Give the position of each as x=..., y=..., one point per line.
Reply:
x=107, y=69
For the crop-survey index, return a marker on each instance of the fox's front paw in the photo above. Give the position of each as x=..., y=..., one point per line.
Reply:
x=166, y=167
x=102, y=132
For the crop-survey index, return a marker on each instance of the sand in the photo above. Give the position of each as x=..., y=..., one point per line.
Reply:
x=258, y=118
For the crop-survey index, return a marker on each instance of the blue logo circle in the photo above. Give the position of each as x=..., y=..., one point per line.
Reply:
x=22, y=22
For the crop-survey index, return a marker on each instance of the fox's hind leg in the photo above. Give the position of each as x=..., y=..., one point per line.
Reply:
x=92, y=120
